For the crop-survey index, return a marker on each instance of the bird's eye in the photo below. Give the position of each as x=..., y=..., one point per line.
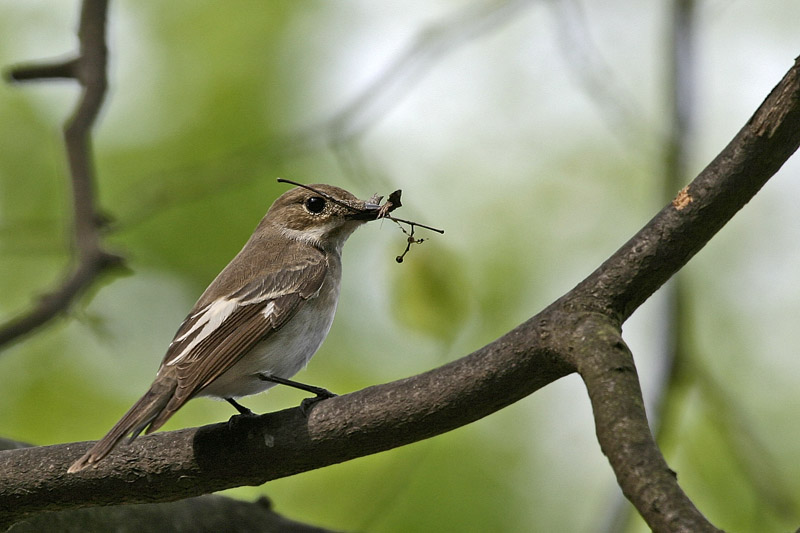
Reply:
x=315, y=204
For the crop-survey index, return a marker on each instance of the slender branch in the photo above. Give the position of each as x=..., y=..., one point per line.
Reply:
x=681, y=81
x=89, y=68
x=593, y=74
x=758, y=464
x=63, y=69
x=579, y=331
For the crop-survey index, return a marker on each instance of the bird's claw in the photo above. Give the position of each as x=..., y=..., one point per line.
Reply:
x=307, y=404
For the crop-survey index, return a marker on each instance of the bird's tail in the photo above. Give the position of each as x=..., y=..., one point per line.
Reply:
x=133, y=422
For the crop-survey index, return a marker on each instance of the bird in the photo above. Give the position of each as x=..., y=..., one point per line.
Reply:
x=261, y=319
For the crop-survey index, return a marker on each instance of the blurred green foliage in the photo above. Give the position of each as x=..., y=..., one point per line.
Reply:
x=498, y=143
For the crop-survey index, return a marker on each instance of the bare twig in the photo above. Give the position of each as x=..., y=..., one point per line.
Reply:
x=410, y=240
x=64, y=69
x=89, y=69
x=392, y=203
x=342, y=131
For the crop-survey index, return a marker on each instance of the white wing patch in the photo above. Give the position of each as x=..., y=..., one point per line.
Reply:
x=209, y=318
x=268, y=310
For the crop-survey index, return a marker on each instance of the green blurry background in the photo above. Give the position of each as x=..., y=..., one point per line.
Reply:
x=533, y=133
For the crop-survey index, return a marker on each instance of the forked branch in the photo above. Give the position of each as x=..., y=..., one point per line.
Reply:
x=91, y=259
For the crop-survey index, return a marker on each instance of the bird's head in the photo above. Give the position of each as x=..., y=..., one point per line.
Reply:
x=322, y=215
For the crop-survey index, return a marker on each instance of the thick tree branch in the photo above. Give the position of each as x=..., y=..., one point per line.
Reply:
x=203, y=513
x=580, y=331
x=632, y=274
x=683, y=227
x=89, y=68
x=179, y=464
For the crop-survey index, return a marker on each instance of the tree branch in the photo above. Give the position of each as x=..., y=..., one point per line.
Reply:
x=645, y=262
x=580, y=331
x=63, y=69
x=89, y=68
x=682, y=228
x=203, y=513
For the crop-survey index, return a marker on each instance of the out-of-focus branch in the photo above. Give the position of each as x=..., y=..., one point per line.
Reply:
x=203, y=513
x=407, y=69
x=755, y=459
x=594, y=76
x=341, y=131
x=89, y=69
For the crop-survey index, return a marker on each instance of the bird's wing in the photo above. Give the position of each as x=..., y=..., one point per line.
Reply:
x=215, y=336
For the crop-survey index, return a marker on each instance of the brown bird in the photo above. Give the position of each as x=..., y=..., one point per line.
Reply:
x=261, y=319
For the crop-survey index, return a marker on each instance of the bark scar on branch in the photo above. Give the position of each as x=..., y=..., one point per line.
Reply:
x=89, y=69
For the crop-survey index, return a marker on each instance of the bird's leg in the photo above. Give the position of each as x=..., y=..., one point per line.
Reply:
x=244, y=414
x=305, y=406
x=319, y=391
x=239, y=407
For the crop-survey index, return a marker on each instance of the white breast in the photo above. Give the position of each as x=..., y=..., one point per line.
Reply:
x=285, y=352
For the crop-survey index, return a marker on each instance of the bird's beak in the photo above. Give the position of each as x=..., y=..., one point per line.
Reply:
x=370, y=211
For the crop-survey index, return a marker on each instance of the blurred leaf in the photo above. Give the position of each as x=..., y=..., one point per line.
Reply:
x=430, y=293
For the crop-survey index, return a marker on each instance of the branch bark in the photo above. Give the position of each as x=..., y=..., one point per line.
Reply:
x=579, y=332
x=203, y=513
x=89, y=68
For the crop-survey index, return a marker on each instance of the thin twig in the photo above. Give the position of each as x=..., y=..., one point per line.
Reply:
x=89, y=69
x=63, y=69
x=594, y=75
x=383, y=213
